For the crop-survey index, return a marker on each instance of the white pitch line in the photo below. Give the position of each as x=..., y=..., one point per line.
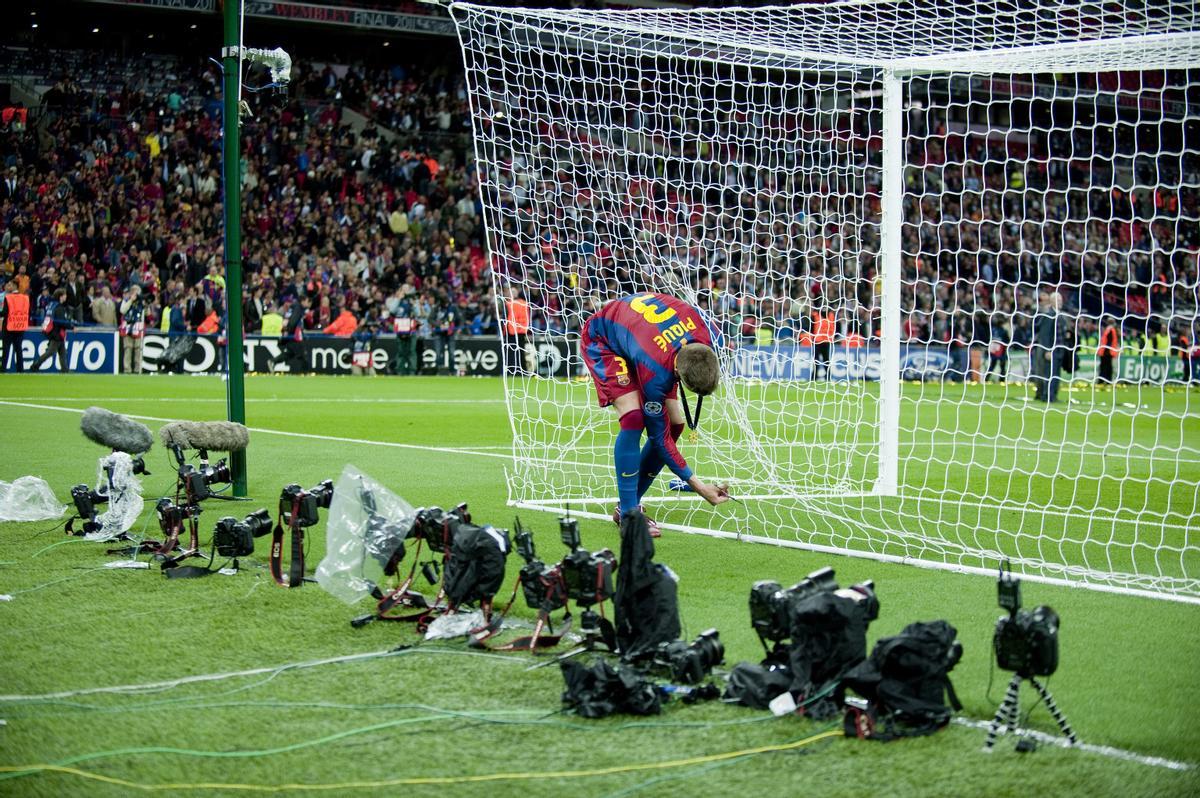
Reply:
x=1102, y=750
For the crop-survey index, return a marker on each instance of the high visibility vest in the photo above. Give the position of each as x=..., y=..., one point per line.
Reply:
x=209, y=325
x=517, y=322
x=17, y=318
x=272, y=324
x=1087, y=344
x=1162, y=344
x=1110, y=343
x=764, y=336
x=823, y=328
x=854, y=340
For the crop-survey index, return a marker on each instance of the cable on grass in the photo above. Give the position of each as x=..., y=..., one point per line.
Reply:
x=427, y=780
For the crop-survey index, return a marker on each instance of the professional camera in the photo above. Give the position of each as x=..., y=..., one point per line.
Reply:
x=139, y=465
x=171, y=515
x=298, y=507
x=196, y=480
x=1025, y=641
x=384, y=541
x=436, y=526
x=689, y=663
x=86, y=500
x=234, y=538
x=588, y=577
x=772, y=607
x=541, y=584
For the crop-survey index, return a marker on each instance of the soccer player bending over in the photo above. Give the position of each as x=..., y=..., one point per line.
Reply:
x=638, y=348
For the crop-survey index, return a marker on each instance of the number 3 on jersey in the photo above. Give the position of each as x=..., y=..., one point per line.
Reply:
x=644, y=305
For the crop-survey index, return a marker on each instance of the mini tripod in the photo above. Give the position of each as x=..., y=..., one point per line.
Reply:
x=1010, y=708
x=594, y=639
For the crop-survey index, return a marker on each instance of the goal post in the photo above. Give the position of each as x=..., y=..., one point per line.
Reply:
x=942, y=186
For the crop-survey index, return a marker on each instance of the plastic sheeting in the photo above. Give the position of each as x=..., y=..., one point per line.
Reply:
x=360, y=540
x=28, y=499
x=124, y=492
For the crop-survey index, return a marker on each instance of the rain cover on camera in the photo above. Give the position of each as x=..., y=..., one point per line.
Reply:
x=367, y=525
x=124, y=492
x=28, y=499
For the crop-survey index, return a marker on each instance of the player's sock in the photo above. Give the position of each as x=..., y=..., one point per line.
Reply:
x=626, y=457
x=651, y=463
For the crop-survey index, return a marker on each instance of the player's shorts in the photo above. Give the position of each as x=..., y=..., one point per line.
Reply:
x=610, y=372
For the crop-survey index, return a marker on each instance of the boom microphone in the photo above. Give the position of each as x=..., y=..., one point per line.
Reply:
x=217, y=436
x=117, y=432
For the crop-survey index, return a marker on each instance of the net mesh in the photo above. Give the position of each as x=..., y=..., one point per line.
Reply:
x=735, y=158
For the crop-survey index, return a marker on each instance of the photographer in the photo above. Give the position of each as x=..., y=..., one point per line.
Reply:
x=291, y=350
x=61, y=323
x=445, y=328
x=132, y=329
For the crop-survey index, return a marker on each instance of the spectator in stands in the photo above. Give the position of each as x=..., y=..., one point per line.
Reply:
x=344, y=325
x=104, y=308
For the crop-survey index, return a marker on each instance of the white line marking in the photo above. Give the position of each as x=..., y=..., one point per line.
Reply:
x=1102, y=750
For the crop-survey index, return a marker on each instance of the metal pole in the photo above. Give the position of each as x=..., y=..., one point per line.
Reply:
x=889, y=259
x=235, y=389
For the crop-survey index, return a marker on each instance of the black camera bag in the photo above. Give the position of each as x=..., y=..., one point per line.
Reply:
x=907, y=678
x=829, y=636
x=756, y=686
x=596, y=690
x=475, y=569
x=646, y=603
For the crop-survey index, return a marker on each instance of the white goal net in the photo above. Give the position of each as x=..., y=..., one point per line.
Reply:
x=905, y=219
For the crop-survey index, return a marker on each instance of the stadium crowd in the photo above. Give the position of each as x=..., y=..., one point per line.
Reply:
x=115, y=198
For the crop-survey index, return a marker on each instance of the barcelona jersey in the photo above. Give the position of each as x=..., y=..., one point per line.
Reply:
x=630, y=345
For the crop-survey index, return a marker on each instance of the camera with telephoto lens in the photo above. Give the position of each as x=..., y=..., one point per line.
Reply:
x=772, y=606
x=305, y=503
x=171, y=515
x=234, y=538
x=541, y=584
x=437, y=527
x=689, y=663
x=1026, y=641
x=139, y=465
x=196, y=480
x=588, y=576
x=383, y=540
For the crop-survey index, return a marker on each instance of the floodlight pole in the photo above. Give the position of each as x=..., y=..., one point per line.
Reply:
x=235, y=388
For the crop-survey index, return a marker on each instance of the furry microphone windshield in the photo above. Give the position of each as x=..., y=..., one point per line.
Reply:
x=216, y=436
x=117, y=432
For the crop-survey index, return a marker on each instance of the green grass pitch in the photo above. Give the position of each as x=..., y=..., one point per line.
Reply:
x=433, y=719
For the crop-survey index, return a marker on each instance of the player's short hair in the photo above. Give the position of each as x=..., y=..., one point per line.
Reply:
x=699, y=369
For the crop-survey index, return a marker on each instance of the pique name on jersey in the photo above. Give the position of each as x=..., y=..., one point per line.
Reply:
x=670, y=335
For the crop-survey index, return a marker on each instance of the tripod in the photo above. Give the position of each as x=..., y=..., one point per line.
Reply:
x=1010, y=708
x=593, y=639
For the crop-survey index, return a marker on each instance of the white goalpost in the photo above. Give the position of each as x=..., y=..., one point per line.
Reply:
x=925, y=191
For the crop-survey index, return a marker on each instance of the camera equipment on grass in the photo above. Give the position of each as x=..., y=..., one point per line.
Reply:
x=689, y=663
x=905, y=684
x=646, y=604
x=1025, y=642
x=116, y=482
x=298, y=510
x=814, y=631
x=234, y=538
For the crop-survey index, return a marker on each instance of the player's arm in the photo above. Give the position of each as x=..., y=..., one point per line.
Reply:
x=654, y=412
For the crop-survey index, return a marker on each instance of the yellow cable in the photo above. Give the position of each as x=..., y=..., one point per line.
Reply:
x=561, y=774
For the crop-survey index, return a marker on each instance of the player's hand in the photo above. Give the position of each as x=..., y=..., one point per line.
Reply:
x=713, y=494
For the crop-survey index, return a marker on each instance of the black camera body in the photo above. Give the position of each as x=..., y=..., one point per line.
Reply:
x=588, y=576
x=1026, y=641
x=298, y=507
x=437, y=527
x=772, y=606
x=234, y=538
x=689, y=663
x=196, y=480
x=86, y=499
x=541, y=584
x=171, y=515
